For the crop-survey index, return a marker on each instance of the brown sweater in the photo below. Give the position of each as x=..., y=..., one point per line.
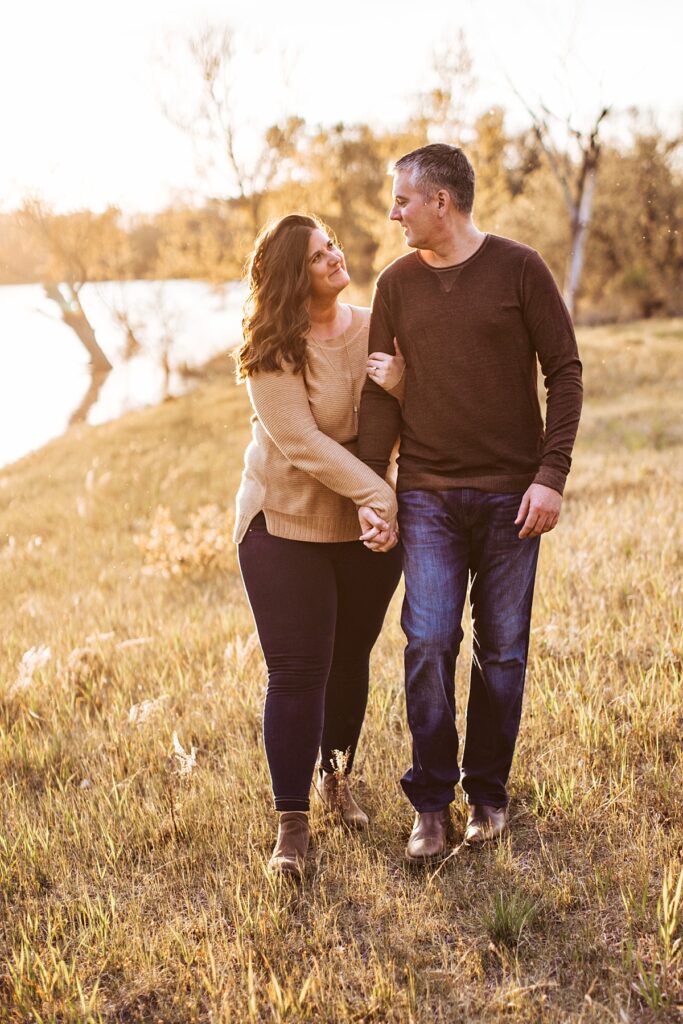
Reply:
x=471, y=335
x=300, y=468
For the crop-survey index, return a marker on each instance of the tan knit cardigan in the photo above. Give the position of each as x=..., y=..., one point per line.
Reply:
x=300, y=468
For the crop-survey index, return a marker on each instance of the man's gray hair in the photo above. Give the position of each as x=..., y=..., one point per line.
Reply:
x=441, y=166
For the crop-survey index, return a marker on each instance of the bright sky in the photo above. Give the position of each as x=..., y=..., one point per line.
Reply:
x=82, y=82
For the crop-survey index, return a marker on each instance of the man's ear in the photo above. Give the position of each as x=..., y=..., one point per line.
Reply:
x=443, y=200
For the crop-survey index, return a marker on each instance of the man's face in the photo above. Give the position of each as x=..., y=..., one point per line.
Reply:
x=416, y=213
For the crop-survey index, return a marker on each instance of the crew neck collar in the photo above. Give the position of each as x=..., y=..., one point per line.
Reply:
x=454, y=266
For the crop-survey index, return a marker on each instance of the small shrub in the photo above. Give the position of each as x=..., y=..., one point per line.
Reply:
x=205, y=545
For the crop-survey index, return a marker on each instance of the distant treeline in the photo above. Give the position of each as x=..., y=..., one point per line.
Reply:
x=634, y=250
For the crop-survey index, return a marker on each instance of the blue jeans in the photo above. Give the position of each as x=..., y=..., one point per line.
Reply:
x=450, y=537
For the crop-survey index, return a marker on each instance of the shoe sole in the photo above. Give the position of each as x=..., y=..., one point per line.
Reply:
x=476, y=844
x=434, y=858
x=290, y=872
x=335, y=816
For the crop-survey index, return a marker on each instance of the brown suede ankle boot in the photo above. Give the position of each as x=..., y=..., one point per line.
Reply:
x=336, y=795
x=289, y=854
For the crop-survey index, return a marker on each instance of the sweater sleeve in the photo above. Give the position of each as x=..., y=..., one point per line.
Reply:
x=380, y=410
x=280, y=401
x=552, y=335
x=399, y=389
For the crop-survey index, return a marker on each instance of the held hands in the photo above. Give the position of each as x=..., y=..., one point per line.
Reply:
x=539, y=511
x=377, y=534
x=384, y=369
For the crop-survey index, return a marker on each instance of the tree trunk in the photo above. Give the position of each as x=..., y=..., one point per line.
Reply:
x=97, y=379
x=577, y=190
x=581, y=217
x=73, y=316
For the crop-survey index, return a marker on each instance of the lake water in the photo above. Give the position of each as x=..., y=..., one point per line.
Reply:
x=45, y=372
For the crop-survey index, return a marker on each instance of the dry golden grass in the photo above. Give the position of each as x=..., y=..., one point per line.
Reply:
x=136, y=817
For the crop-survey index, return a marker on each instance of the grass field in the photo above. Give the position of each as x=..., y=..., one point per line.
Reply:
x=132, y=882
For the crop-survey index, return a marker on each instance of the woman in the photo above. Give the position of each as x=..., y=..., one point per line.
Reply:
x=318, y=595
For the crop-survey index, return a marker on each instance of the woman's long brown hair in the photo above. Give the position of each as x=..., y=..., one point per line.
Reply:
x=276, y=319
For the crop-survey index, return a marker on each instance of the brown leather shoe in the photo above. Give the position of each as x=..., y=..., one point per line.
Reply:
x=428, y=840
x=483, y=823
x=289, y=854
x=336, y=795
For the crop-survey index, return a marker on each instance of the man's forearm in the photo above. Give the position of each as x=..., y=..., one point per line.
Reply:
x=378, y=429
x=380, y=413
x=565, y=397
x=552, y=335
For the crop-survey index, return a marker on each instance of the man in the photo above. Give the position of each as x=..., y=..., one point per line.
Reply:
x=479, y=479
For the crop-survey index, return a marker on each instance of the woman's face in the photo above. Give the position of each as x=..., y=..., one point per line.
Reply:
x=326, y=267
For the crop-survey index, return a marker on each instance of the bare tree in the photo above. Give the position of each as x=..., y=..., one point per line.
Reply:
x=212, y=120
x=441, y=112
x=66, y=297
x=576, y=175
x=150, y=328
x=169, y=322
x=68, y=244
x=124, y=319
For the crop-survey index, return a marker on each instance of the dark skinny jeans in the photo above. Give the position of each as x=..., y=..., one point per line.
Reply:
x=318, y=608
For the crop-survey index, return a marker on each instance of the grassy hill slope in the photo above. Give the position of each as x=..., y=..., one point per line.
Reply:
x=132, y=883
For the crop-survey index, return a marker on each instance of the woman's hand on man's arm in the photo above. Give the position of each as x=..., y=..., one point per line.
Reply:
x=386, y=370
